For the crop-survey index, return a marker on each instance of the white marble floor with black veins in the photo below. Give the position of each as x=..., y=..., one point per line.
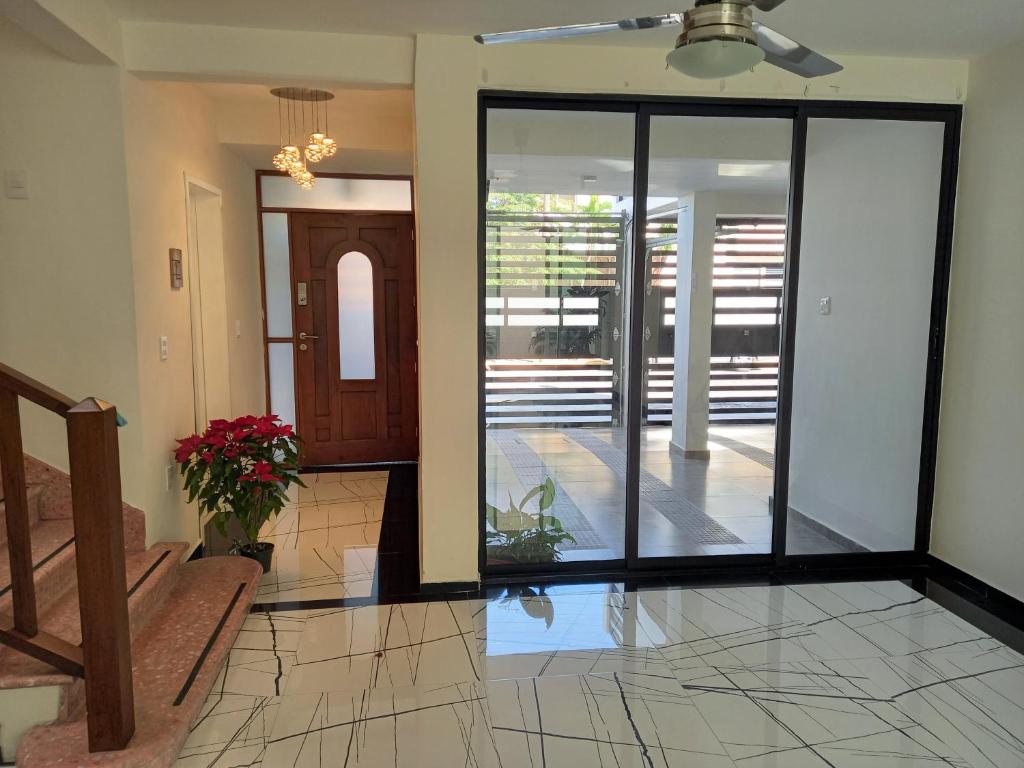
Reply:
x=325, y=540
x=842, y=675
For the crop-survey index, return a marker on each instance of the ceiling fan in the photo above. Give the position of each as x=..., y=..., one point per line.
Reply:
x=720, y=39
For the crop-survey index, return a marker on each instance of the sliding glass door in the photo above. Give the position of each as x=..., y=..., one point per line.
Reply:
x=557, y=221
x=710, y=332
x=862, y=338
x=717, y=198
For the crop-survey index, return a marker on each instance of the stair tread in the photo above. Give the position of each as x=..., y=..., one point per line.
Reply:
x=50, y=538
x=142, y=569
x=163, y=660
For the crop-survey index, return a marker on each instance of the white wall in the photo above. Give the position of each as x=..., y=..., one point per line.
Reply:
x=449, y=71
x=84, y=275
x=871, y=195
x=446, y=200
x=978, y=520
x=66, y=290
x=170, y=133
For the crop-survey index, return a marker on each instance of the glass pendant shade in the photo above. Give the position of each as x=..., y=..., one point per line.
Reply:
x=294, y=106
x=315, y=147
x=714, y=59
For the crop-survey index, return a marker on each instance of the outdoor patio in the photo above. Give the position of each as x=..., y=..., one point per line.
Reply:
x=688, y=507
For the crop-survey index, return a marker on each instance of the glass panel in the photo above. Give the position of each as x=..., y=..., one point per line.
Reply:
x=282, y=380
x=867, y=261
x=717, y=202
x=558, y=218
x=338, y=194
x=355, y=317
x=277, y=275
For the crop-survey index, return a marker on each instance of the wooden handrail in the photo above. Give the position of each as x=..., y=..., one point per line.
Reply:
x=104, y=659
x=30, y=389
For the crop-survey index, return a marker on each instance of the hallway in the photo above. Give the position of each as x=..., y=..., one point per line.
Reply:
x=842, y=675
x=326, y=540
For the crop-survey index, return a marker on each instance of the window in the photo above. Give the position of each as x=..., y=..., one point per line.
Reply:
x=355, y=317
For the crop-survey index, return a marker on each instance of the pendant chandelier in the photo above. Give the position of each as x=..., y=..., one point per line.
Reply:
x=302, y=125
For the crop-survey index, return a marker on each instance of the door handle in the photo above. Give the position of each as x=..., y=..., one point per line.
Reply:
x=303, y=335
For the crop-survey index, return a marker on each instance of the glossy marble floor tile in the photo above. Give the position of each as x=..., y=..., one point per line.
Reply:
x=326, y=541
x=848, y=675
x=232, y=730
x=386, y=646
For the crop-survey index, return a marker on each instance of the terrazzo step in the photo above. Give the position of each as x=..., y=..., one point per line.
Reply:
x=52, y=487
x=35, y=500
x=53, y=556
x=32, y=692
x=150, y=577
x=175, y=661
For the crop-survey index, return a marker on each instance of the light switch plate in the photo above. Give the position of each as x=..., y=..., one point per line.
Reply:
x=825, y=305
x=163, y=348
x=16, y=185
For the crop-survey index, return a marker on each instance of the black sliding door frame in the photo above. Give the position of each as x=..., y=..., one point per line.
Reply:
x=799, y=112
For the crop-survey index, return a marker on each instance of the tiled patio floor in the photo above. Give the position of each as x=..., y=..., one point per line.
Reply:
x=688, y=507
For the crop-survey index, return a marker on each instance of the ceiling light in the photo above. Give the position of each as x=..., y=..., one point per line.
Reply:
x=316, y=145
x=718, y=41
x=744, y=169
x=714, y=59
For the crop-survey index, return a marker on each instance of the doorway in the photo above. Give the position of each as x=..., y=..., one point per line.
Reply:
x=648, y=398
x=207, y=304
x=339, y=296
x=356, y=357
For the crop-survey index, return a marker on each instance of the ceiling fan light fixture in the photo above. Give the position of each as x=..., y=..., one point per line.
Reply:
x=715, y=59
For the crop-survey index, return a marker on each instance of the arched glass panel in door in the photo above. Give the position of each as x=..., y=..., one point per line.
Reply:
x=355, y=317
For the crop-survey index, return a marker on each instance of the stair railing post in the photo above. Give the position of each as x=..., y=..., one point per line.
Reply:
x=19, y=542
x=100, y=561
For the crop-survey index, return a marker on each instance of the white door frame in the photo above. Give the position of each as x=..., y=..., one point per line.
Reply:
x=194, y=190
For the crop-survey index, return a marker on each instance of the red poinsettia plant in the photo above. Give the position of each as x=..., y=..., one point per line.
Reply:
x=242, y=469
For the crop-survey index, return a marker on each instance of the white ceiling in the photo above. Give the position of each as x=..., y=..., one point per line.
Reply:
x=915, y=28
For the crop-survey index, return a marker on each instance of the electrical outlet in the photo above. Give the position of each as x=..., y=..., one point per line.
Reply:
x=163, y=348
x=238, y=329
x=825, y=305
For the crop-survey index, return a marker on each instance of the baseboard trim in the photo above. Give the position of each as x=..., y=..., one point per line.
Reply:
x=371, y=466
x=1007, y=607
x=823, y=530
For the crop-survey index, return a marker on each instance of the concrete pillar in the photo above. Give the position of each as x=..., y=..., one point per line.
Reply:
x=693, y=322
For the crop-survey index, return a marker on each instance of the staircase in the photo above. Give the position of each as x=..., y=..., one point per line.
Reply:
x=77, y=583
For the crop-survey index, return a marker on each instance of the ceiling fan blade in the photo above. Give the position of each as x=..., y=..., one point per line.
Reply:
x=767, y=5
x=791, y=56
x=579, y=30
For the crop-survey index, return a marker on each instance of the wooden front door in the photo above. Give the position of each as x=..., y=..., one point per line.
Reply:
x=355, y=327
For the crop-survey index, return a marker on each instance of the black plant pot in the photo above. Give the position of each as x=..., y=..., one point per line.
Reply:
x=261, y=551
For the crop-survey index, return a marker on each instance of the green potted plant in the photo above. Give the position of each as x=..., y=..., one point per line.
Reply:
x=518, y=536
x=241, y=469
